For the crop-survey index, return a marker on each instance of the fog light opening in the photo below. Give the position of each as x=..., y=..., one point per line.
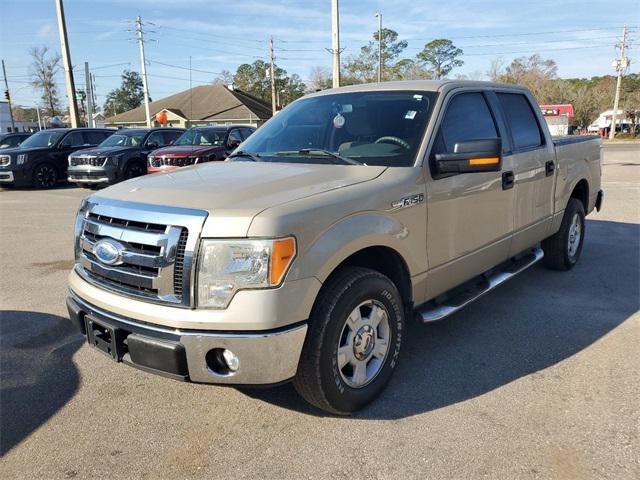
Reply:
x=222, y=361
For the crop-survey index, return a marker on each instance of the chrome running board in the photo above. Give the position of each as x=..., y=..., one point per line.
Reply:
x=460, y=297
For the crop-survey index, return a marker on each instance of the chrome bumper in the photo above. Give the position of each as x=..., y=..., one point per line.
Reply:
x=6, y=176
x=72, y=179
x=265, y=357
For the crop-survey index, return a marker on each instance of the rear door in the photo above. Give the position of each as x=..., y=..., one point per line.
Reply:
x=470, y=215
x=533, y=159
x=71, y=142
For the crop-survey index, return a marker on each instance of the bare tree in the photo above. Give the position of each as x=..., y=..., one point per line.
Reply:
x=224, y=78
x=319, y=79
x=43, y=71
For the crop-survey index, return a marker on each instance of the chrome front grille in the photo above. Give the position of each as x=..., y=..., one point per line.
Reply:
x=87, y=160
x=5, y=160
x=172, y=162
x=157, y=247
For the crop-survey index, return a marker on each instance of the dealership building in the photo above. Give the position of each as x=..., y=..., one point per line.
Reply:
x=558, y=118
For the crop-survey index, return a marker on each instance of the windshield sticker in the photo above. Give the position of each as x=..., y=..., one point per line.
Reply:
x=411, y=114
x=348, y=108
x=338, y=121
x=417, y=97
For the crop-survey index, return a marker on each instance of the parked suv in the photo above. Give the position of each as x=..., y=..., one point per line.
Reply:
x=41, y=160
x=198, y=145
x=13, y=140
x=121, y=156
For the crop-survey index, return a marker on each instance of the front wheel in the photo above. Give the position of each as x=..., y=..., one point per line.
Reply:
x=562, y=250
x=353, y=342
x=45, y=175
x=135, y=169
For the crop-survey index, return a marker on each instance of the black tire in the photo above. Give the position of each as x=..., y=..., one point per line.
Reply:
x=134, y=169
x=44, y=176
x=319, y=380
x=560, y=249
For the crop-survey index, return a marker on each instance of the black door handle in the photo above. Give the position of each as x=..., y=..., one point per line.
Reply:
x=549, y=168
x=507, y=180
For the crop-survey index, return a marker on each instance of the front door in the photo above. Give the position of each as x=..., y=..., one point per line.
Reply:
x=470, y=215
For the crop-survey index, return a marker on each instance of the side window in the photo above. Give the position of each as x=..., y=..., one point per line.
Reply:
x=246, y=132
x=156, y=138
x=170, y=136
x=74, y=139
x=94, y=138
x=13, y=141
x=520, y=117
x=234, y=137
x=467, y=118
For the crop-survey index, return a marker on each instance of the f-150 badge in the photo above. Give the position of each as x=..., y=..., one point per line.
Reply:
x=408, y=201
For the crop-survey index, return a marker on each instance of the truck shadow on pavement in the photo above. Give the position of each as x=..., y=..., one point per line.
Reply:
x=527, y=325
x=38, y=374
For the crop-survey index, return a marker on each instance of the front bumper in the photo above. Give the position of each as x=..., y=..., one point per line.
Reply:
x=86, y=174
x=6, y=176
x=266, y=357
x=164, y=169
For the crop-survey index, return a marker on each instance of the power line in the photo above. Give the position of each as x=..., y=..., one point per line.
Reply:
x=185, y=68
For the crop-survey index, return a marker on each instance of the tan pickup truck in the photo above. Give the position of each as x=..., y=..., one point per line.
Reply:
x=350, y=213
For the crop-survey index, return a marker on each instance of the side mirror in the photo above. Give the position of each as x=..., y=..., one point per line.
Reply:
x=152, y=145
x=64, y=146
x=483, y=155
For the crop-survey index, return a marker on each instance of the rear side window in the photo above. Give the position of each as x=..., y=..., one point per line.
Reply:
x=467, y=118
x=520, y=117
x=246, y=132
x=75, y=139
x=171, y=135
x=94, y=138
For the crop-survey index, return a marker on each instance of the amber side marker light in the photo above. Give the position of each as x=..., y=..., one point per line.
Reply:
x=281, y=257
x=484, y=161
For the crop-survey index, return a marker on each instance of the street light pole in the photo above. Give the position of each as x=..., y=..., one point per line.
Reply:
x=335, y=42
x=143, y=67
x=379, y=17
x=68, y=70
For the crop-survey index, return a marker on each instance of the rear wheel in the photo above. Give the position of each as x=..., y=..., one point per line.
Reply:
x=562, y=250
x=44, y=175
x=353, y=342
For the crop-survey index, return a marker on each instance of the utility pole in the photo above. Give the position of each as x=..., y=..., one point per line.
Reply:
x=7, y=95
x=273, y=78
x=68, y=70
x=335, y=42
x=143, y=67
x=93, y=91
x=39, y=122
x=621, y=65
x=379, y=17
x=89, y=92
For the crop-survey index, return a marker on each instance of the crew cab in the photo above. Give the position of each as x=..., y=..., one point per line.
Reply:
x=13, y=140
x=350, y=213
x=121, y=156
x=41, y=160
x=199, y=145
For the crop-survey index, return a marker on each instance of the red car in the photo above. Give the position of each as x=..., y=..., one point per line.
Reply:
x=197, y=145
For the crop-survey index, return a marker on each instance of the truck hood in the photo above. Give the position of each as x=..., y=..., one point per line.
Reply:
x=234, y=192
x=185, y=151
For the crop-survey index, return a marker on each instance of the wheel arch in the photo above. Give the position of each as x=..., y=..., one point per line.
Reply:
x=581, y=192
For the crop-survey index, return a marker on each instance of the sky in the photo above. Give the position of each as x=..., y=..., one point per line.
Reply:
x=220, y=35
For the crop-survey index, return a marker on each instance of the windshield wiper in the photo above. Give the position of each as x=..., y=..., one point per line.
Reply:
x=319, y=152
x=254, y=157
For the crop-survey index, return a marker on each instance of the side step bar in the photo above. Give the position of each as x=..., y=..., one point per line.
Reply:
x=460, y=297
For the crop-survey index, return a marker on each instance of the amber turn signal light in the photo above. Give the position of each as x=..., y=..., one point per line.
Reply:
x=283, y=253
x=484, y=161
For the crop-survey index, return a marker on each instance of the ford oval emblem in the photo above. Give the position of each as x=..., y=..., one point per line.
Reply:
x=108, y=251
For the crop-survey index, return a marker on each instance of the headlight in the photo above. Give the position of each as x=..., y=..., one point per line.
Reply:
x=22, y=158
x=227, y=266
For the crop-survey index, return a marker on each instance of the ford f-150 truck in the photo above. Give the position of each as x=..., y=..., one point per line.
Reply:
x=350, y=213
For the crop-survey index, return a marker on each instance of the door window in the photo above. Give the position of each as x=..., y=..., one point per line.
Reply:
x=246, y=132
x=74, y=139
x=520, y=117
x=234, y=138
x=156, y=138
x=467, y=118
x=94, y=138
x=170, y=136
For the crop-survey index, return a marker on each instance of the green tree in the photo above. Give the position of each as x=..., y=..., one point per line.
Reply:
x=128, y=96
x=254, y=79
x=364, y=67
x=440, y=56
x=43, y=71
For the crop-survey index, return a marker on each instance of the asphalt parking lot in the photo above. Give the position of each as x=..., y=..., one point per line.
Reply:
x=539, y=379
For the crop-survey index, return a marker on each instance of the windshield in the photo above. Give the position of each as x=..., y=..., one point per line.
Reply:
x=202, y=136
x=374, y=128
x=132, y=139
x=45, y=138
